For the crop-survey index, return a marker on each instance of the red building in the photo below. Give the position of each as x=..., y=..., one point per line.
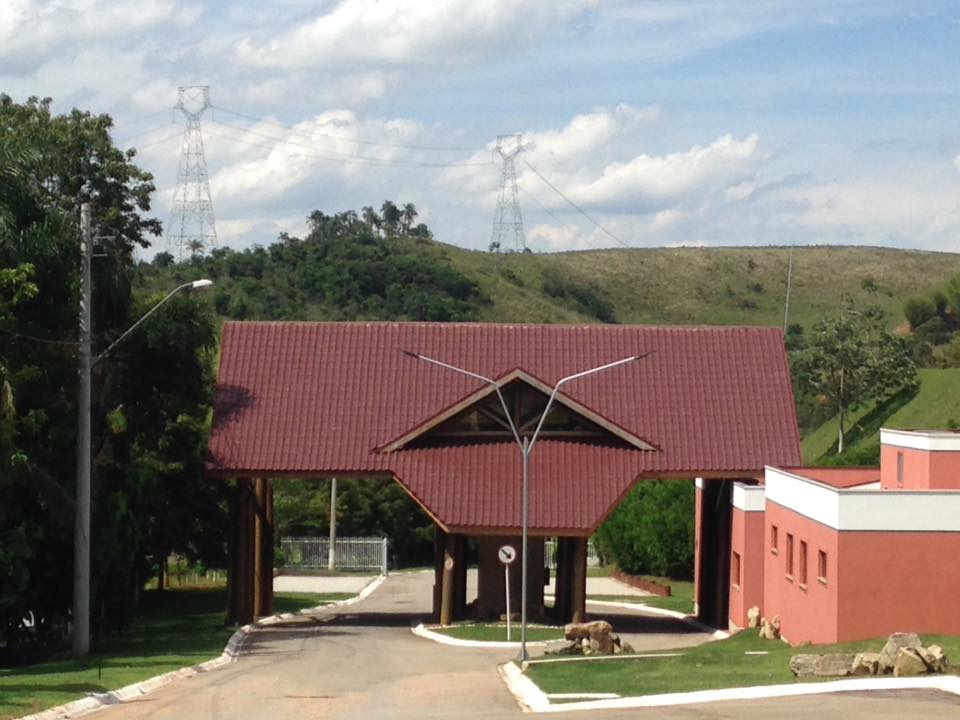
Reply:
x=847, y=554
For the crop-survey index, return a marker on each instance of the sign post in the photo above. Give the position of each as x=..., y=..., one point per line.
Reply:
x=507, y=555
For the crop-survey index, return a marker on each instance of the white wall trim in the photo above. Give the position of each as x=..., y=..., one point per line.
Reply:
x=749, y=498
x=865, y=510
x=699, y=483
x=938, y=441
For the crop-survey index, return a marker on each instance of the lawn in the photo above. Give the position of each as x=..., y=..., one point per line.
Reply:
x=497, y=632
x=177, y=628
x=680, y=599
x=717, y=664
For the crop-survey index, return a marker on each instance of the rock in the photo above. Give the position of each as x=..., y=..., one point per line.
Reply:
x=804, y=665
x=908, y=663
x=770, y=629
x=866, y=664
x=897, y=641
x=585, y=645
x=598, y=633
x=934, y=658
x=753, y=617
x=833, y=665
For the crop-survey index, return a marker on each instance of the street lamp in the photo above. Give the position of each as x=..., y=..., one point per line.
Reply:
x=81, y=544
x=526, y=447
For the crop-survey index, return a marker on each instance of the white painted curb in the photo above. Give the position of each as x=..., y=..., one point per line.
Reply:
x=676, y=614
x=532, y=699
x=233, y=649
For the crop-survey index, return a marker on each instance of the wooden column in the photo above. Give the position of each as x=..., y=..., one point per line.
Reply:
x=448, y=579
x=561, y=596
x=263, y=548
x=460, y=577
x=241, y=578
x=578, y=584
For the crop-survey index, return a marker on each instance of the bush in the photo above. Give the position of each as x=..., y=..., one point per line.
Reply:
x=918, y=311
x=652, y=530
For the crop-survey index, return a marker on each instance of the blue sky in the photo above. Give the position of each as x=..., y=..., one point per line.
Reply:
x=689, y=122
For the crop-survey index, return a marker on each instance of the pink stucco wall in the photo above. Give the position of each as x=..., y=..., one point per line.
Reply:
x=892, y=582
x=746, y=539
x=807, y=612
x=922, y=469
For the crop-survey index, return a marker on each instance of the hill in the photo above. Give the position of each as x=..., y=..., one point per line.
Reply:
x=710, y=286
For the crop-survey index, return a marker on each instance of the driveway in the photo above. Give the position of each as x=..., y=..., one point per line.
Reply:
x=361, y=662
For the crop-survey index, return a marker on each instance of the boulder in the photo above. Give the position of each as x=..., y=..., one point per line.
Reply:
x=895, y=643
x=804, y=665
x=909, y=663
x=833, y=665
x=753, y=617
x=934, y=658
x=770, y=629
x=866, y=664
x=598, y=634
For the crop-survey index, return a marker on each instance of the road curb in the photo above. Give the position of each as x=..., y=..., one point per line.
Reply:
x=532, y=699
x=232, y=650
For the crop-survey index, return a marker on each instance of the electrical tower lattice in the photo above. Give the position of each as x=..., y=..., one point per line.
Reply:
x=192, y=230
x=507, y=220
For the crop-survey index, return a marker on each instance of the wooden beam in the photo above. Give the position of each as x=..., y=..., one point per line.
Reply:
x=578, y=590
x=447, y=591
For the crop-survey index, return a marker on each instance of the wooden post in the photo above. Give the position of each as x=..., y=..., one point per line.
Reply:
x=439, y=540
x=578, y=594
x=460, y=577
x=447, y=594
x=241, y=578
x=561, y=595
x=263, y=548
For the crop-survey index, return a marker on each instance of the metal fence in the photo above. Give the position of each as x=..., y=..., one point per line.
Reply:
x=349, y=553
x=550, y=554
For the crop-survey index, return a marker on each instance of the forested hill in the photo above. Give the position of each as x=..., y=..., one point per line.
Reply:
x=363, y=267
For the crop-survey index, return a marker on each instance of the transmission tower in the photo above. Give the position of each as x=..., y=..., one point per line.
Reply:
x=191, y=230
x=507, y=220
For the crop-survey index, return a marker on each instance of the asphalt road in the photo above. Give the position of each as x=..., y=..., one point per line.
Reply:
x=362, y=662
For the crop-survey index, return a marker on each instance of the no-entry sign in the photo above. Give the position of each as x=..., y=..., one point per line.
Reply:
x=507, y=554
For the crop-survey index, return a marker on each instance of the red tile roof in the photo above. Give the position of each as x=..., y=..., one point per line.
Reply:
x=319, y=398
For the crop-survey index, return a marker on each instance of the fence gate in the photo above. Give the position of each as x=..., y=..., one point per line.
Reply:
x=349, y=553
x=550, y=554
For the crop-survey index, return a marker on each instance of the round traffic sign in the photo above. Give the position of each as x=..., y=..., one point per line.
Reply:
x=507, y=554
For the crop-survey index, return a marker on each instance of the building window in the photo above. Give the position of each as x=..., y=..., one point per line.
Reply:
x=899, y=468
x=822, y=567
x=774, y=539
x=735, y=570
x=803, y=563
x=789, y=559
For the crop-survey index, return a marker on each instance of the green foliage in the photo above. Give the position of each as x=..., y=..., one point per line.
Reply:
x=851, y=359
x=365, y=508
x=651, y=531
x=578, y=296
x=348, y=267
x=151, y=397
x=918, y=311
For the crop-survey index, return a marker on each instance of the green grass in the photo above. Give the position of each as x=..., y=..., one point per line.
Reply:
x=936, y=405
x=176, y=629
x=497, y=632
x=710, y=286
x=679, y=600
x=718, y=664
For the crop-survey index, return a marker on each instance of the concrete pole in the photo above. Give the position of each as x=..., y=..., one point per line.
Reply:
x=332, y=550
x=81, y=526
x=523, y=558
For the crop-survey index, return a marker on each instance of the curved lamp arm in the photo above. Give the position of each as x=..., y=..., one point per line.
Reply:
x=196, y=285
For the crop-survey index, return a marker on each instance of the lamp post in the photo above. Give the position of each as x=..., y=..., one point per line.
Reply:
x=525, y=445
x=81, y=545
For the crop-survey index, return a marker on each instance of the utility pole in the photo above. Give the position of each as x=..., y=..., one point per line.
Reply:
x=81, y=528
x=507, y=219
x=191, y=230
x=332, y=552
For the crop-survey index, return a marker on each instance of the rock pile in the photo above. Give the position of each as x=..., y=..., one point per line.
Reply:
x=591, y=638
x=903, y=655
x=770, y=629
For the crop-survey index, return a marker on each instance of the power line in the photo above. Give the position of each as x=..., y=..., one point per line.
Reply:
x=573, y=204
x=358, y=141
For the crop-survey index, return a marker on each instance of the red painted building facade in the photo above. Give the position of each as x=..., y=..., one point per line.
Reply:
x=849, y=554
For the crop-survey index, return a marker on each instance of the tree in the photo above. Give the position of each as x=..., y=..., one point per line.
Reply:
x=851, y=359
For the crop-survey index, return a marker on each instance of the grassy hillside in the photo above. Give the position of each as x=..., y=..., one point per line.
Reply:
x=935, y=405
x=709, y=286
